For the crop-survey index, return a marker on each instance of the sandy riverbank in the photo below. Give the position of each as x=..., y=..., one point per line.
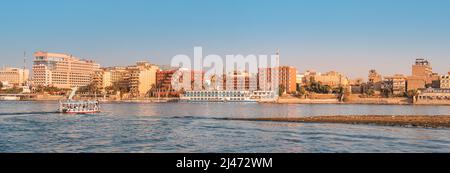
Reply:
x=439, y=121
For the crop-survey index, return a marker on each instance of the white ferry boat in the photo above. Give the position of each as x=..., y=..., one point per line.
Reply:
x=78, y=106
x=226, y=96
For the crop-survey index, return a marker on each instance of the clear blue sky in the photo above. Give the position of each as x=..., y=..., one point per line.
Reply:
x=351, y=36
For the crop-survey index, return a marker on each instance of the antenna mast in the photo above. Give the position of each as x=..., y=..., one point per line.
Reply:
x=278, y=57
x=24, y=68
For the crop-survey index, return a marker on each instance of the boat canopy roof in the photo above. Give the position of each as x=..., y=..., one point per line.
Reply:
x=79, y=102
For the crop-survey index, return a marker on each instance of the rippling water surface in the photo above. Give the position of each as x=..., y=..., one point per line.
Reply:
x=183, y=127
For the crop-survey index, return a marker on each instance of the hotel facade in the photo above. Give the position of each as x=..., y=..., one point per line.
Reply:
x=62, y=70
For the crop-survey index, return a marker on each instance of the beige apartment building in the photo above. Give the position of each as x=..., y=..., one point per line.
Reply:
x=374, y=77
x=375, y=81
x=422, y=68
x=308, y=76
x=396, y=83
x=14, y=76
x=141, y=78
x=422, y=75
x=62, y=70
x=300, y=78
x=138, y=78
x=332, y=79
x=445, y=82
x=107, y=77
x=101, y=79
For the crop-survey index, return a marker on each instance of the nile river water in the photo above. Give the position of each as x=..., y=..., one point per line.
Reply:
x=184, y=127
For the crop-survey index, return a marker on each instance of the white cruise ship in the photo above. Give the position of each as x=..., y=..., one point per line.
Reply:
x=227, y=96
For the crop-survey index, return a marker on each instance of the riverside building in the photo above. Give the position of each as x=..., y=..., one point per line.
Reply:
x=138, y=79
x=445, y=82
x=14, y=76
x=107, y=77
x=375, y=81
x=141, y=77
x=164, y=83
x=333, y=79
x=422, y=75
x=286, y=76
x=396, y=83
x=62, y=70
x=433, y=96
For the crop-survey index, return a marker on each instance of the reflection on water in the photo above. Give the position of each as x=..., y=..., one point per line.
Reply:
x=181, y=127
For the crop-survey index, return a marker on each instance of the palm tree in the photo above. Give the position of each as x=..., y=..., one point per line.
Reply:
x=370, y=92
x=152, y=90
x=387, y=92
x=281, y=90
x=412, y=94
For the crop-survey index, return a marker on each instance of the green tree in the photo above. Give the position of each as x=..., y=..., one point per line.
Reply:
x=14, y=90
x=342, y=93
x=90, y=89
x=117, y=87
x=370, y=92
x=153, y=89
x=50, y=90
x=301, y=91
x=338, y=90
x=325, y=89
x=387, y=92
x=317, y=87
x=412, y=94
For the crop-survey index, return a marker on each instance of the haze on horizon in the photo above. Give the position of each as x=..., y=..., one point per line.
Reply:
x=349, y=36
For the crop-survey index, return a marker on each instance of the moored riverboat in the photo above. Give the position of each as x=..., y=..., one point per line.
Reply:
x=226, y=96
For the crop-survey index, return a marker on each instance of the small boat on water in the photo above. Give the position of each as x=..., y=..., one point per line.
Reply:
x=71, y=106
x=79, y=107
